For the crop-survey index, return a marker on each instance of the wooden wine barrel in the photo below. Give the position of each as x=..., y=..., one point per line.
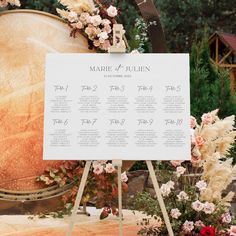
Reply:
x=26, y=37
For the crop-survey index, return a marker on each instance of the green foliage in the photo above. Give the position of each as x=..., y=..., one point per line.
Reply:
x=184, y=21
x=210, y=86
x=41, y=5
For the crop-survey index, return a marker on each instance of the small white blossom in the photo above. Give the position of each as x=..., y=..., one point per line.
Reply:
x=72, y=16
x=197, y=206
x=188, y=226
x=180, y=171
x=109, y=168
x=201, y=185
x=182, y=196
x=209, y=208
x=175, y=213
x=226, y=218
x=98, y=169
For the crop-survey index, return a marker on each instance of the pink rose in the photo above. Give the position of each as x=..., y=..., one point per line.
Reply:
x=176, y=163
x=96, y=43
x=96, y=20
x=233, y=230
x=196, y=160
x=105, y=45
x=85, y=17
x=226, y=218
x=207, y=118
x=3, y=3
x=199, y=141
x=98, y=169
x=78, y=25
x=124, y=177
x=107, y=29
x=112, y=11
x=109, y=168
x=106, y=22
x=193, y=122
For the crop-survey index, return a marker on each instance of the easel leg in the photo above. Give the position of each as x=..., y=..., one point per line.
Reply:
x=159, y=197
x=79, y=197
x=118, y=163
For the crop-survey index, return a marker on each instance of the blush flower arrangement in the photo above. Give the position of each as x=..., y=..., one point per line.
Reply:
x=195, y=191
x=94, y=19
x=5, y=3
x=101, y=188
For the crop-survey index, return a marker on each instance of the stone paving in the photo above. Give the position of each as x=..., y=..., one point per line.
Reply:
x=84, y=226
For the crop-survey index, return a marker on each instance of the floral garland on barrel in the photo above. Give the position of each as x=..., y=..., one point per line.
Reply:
x=94, y=19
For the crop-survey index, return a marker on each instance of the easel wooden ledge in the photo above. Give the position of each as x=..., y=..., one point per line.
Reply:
x=118, y=34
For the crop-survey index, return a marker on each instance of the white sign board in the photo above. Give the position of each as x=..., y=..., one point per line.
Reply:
x=125, y=106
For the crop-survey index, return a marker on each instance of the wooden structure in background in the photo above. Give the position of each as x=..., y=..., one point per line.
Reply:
x=223, y=53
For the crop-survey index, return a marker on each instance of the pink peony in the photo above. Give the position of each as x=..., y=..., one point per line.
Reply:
x=209, y=208
x=207, y=118
x=112, y=11
x=188, y=226
x=98, y=169
x=193, y=122
x=199, y=141
x=175, y=213
x=197, y=206
x=176, y=163
x=109, y=168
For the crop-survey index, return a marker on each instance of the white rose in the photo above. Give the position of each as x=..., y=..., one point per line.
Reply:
x=112, y=11
x=72, y=16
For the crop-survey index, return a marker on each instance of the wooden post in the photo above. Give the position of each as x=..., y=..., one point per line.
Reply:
x=159, y=198
x=217, y=50
x=79, y=197
x=118, y=164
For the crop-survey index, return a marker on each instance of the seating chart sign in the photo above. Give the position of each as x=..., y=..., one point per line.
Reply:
x=117, y=106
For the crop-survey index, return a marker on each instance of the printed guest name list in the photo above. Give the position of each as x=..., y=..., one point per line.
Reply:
x=104, y=107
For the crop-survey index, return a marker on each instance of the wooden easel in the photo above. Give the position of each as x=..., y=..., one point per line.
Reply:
x=119, y=48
